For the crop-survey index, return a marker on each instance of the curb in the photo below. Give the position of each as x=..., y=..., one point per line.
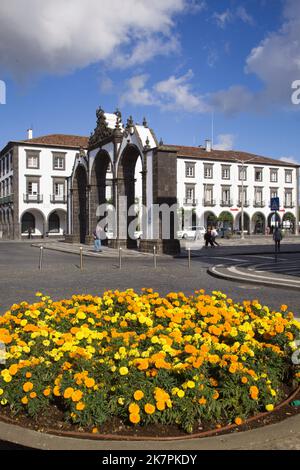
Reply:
x=228, y=277
x=247, y=253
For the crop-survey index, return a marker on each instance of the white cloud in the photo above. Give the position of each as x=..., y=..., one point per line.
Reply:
x=229, y=16
x=243, y=15
x=136, y=93
x=106, y=85
x=224, y=142
x=222, y=19
x=290, y=159
x=276, y=62
x=58, y=36
x=174, y=93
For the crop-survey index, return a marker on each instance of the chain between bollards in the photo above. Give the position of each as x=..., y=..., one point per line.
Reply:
x=120, y=257
x=189, y=257
x=41, y=258
x=154, y=257
x=81, y=258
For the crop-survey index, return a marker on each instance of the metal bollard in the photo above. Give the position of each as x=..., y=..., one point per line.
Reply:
x=81, y=258
x=120, y=257
x=41, y=258
x=189, y=257
x=154, y=257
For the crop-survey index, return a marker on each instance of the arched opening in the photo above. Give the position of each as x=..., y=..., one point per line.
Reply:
x=102, y=190
x=238, y=222
x=130, y=186
x=289, y=222
x=225, y=220
x=258, y=223
x=210, y=219
x=80, y=223
x=28, y=223
x=273, y=220
x=53, y=223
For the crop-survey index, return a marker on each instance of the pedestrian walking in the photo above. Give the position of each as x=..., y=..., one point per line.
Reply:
x=208, y=238
x=97, y=238
x=277, y=237
x=214, y=234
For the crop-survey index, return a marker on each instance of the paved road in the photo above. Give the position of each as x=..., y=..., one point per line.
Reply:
x=61, y=276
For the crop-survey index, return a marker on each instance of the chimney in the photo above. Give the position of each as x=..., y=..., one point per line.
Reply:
x=208, y=145
x=29, y=134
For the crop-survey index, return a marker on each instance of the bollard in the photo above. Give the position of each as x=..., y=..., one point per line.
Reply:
x=189, y=257
x=120, y=257
x=154, y=257
x=81, y=258
x=41, y=258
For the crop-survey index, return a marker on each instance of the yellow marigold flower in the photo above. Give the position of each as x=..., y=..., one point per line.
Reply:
x=77, y=395
x=24, y=400
x=138, y=395
x=149, y=409
x=123, y=371
x=7, y=378
x=180, y=393
x=1, y=391
x=68, y=392
x=134, y=408
x=121, y=401
x=134, y=418
x=80, y=406
x=270, y=407
x=95, y=430
x=89, y=382
x=47, y=392
x=32, y=395
x=238, y=421
x=56, y=391
x=27, y=386
x=190, y=384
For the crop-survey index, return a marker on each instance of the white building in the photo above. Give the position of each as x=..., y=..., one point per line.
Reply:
x=33, y=188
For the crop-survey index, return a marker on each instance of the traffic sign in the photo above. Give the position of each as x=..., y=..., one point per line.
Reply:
x=275, y=204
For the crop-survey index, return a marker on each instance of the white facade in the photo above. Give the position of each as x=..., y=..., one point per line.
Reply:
x=210, y=187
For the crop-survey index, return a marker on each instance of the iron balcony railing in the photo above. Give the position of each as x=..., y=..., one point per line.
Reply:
x=189, y=201
x=6, y=199
x=259, y=203
x=37, y=198
x=209, y=202
x=58, y=199
x=245, y=203
x=289, y=204
x=226, y=202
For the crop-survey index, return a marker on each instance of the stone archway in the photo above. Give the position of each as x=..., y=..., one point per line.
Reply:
x=289, y=222
x=210, y=219
x=80, y=212
x=98, y=186
x=238, y=222
x=273, y=220
x=258, y=223
x=126, y=193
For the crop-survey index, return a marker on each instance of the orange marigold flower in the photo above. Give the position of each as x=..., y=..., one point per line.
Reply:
x=80, y=406
x=202, y=401
x=28, y=375
x=238, y=421
x=77, y=395
x=254, y=392
x=27, y=386
x=134, y=408
x=244, y=380
x=68, y=392
x=161, y=405
x=89, y=382
x=138, y=395
x=13, y=369
x=134, y=418
x=32, y=395
x=56, y=391
x=47, y=392
x=149, y=408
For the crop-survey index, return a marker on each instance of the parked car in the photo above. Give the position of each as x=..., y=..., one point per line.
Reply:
x=191, y=232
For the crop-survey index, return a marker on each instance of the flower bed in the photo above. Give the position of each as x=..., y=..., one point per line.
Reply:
x=146, y=359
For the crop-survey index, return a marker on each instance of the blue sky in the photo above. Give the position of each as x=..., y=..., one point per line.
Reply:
x=176, y=62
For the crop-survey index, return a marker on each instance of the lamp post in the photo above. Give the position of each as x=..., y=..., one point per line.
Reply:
x=242, y=195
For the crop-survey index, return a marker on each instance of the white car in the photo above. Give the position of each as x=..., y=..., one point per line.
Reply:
x=191, y=232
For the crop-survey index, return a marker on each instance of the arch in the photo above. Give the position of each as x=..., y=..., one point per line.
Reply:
x=289, y=222
x=27, y=222
x=126, y=180
x=57, y=222
x=273, y=220
x=225, y=220
x=238, y=222
x=98, y=185
x=80, y=213
x=53, y=223
x=39, y=222
x=258, y=223
x=210, y=219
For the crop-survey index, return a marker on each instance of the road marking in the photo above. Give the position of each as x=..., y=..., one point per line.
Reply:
x=235, y=271
x=230, y=259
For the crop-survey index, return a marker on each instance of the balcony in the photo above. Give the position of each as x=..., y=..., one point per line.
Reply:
x=36, y=198
x=289, y=205
x=259, y=203
x=209, y=202
x=58, y=199
x=245, y=204
x=190, y=201
x=6, y=199
x=226, y=203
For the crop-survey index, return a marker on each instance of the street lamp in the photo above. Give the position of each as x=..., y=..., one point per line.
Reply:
x=242, y=198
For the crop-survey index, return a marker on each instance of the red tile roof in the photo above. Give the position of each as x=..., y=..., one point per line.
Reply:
x=62, y=140
x=224, y=155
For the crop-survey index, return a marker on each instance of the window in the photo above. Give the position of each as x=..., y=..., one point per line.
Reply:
x=225, y=172
x=32, y=159
x=288, y=176
x=226, y=196
x=109, y=169
x=258, y=197
x=208, y=171
x=242, y=173
x=58, y=161
x=208, y=195
x=59, y=189
x=243, y=196
x=288, y=198
x=273, y=192
x=258, y=174
x=189, y=193
x=273, y=175
x=32, y=187
x=189, y=170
